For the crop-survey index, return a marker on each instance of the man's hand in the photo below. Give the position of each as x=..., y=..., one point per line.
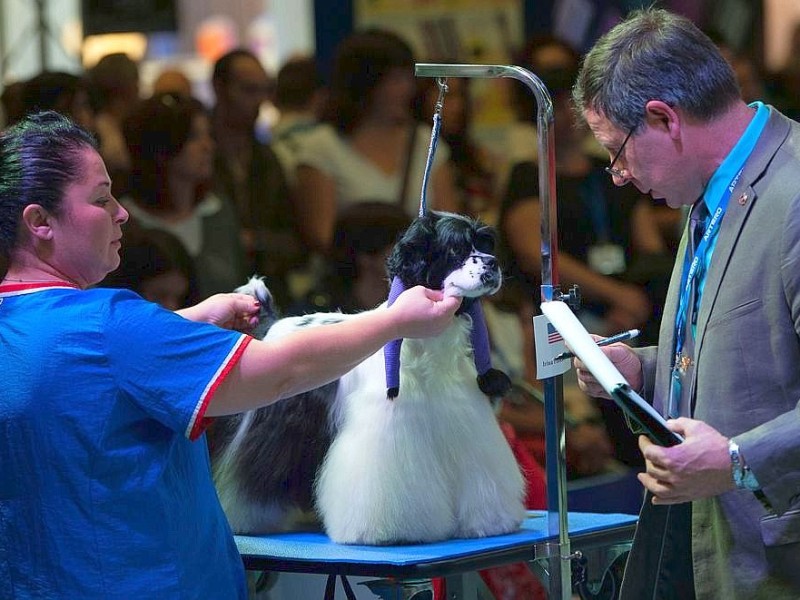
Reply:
x=699, y=467
x=626, y=361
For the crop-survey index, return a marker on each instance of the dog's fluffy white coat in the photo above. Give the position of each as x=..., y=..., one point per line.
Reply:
x=429, y=465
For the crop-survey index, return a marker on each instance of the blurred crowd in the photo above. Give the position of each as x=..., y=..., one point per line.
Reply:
x=315, y=207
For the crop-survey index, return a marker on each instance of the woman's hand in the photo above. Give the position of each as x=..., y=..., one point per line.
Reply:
x=230, y=311
x=420, y=312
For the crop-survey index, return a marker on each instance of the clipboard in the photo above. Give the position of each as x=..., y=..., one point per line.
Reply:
x=638, y=410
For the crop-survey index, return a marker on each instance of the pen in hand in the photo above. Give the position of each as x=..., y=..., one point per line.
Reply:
x=612, y=339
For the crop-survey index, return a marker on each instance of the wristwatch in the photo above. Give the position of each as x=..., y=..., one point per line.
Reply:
x=743, y=477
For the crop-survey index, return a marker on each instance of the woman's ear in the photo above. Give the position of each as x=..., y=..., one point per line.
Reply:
x=37, y=221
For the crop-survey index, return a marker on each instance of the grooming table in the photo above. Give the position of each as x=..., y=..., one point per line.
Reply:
x=314, y=553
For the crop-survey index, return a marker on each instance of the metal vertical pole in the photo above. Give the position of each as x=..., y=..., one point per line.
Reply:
x=43, y=32
x=3, y=49
x=559, y=558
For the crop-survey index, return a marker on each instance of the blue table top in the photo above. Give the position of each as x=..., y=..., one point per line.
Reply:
x=307, y=552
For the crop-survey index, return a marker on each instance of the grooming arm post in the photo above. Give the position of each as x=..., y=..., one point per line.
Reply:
x=560, y=581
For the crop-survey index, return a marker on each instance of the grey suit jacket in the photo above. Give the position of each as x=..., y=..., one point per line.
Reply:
x=746, y=384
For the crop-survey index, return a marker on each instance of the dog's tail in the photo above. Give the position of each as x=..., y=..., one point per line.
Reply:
x=268, y=313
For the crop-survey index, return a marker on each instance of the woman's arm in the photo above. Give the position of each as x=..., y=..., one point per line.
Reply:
x=647, y=236
x=274, y=369
x=628, y=304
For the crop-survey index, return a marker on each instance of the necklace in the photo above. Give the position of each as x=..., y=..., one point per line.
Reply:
x=15, y=280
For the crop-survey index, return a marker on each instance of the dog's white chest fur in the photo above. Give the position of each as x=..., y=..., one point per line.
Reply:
x=431, y=464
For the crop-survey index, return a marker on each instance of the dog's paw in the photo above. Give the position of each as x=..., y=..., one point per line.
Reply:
x=392, y=392
x=494, y=383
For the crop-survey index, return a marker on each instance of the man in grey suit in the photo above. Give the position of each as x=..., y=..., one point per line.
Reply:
x=721, y=517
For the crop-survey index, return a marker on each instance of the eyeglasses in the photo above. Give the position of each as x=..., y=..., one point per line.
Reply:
x=610, y=168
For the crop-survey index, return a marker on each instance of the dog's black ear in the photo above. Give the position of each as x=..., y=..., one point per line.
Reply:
x=409, y=258
x=485, y=239
x=494, y=383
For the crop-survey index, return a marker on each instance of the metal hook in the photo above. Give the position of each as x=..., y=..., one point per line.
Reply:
x=443, y=89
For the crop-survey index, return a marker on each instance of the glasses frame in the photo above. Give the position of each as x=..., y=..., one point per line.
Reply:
x=610, y=168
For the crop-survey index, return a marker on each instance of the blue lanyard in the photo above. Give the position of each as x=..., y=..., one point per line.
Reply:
x=690, y=270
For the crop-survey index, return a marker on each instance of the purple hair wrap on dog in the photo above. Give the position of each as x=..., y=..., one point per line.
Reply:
x=391, y=351
x=479, y=336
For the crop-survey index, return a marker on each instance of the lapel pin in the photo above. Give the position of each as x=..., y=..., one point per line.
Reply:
x=743, y=199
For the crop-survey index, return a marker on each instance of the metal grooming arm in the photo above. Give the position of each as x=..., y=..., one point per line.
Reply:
x=558, y=555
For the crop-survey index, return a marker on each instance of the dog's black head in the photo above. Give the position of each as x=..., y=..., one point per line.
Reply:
x=446, y=251
x=453, y=253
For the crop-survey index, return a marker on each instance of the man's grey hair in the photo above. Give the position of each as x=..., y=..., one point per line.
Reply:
x=654, y=55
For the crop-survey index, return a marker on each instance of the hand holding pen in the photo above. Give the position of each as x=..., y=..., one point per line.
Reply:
x=612, y=339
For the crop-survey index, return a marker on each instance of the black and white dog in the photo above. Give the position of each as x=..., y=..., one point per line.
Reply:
x=429, y=464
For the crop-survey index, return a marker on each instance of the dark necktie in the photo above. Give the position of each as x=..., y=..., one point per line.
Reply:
x=697, y=225
x=696, y=228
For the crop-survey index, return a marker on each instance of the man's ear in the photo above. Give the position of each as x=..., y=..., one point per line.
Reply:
x=662, y=116
x=37, y=221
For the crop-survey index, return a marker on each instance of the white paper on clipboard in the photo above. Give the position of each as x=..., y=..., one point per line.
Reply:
x=608, y=376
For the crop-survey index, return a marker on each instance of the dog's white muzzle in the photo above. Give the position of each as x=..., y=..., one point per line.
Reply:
x=479, y=276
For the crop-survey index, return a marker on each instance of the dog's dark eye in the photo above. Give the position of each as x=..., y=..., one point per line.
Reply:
x=484, y=242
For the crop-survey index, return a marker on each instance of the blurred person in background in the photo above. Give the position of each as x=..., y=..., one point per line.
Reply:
x=786, y=81
x=473, y=167
x=248, y=172
x=369, y=146
x=300, y=95
x=603, y=231
x=354, y=275
x=172, y=80
x=172, y=155
x=13, y=105
x=62, y=92
x=114, y=91
x=155, y=265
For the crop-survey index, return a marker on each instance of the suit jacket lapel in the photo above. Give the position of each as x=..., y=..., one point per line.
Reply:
x=742, y=199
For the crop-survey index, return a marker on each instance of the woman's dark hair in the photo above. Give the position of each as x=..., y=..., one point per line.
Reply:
x=155, y=132
x=368, y=227
x=558, y=79
x=115, y=74
x=40, y=157
x=223, y=67
x=362, y=229
x=362, y=61
x=52, y=90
